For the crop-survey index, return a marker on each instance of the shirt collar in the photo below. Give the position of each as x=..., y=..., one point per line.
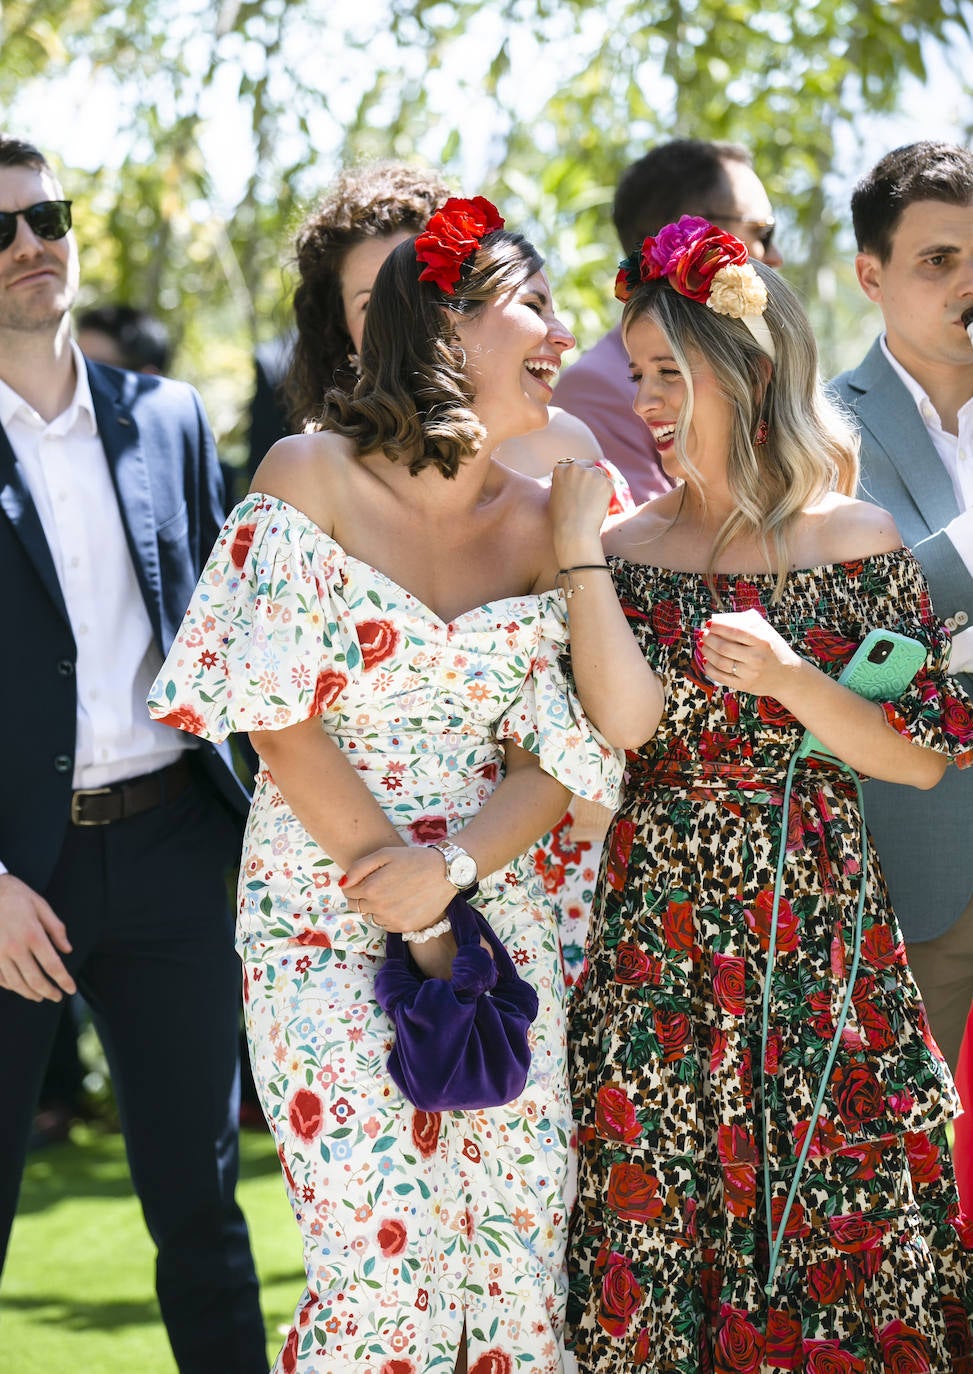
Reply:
x=927, y=411
x=79, y=410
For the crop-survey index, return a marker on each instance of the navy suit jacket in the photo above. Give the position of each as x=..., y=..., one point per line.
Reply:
x=924, y=839
x=166, y=476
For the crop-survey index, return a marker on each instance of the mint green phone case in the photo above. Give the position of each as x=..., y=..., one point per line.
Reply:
x=881, y=669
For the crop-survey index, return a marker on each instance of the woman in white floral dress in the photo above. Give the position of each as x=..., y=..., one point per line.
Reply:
x=379, y=617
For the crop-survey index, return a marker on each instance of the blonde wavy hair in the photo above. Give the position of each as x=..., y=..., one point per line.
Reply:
x=810, y=448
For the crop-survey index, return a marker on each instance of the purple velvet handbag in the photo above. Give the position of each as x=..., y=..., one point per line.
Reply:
x=460, y=1042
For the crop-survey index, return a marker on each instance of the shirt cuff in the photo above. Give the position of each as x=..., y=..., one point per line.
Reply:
x=960, y=532
x=960, y=654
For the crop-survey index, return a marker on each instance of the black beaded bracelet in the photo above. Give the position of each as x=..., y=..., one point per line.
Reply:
x=579, y=567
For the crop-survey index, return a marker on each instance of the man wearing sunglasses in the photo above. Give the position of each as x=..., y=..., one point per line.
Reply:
x=686, y=176
x=114, y=840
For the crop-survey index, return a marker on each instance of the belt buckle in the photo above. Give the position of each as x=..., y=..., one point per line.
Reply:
x=76, y=818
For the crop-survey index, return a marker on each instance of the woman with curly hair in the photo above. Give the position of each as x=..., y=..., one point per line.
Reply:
x=341, y=245
x=380, y=615
x=764, y=1176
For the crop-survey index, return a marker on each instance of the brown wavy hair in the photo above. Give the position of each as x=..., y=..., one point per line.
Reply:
x=414, y=400
x=370, y=201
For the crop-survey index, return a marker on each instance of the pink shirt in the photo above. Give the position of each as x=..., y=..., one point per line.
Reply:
x=597, y=389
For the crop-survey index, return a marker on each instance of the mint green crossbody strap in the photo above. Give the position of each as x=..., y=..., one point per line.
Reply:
x=775, y=1242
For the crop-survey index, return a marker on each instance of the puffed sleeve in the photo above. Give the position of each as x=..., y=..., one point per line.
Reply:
x=935, y=710
x=547, y=718
x=265, y=642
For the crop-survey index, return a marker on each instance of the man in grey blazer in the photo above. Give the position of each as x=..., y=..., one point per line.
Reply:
x=913, y=398
x=114, y=837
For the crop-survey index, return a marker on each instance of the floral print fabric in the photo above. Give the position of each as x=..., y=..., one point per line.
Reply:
x=669, y=1247
x=413, y=1223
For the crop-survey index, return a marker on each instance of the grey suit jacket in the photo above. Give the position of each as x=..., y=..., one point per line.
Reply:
x=924, y=839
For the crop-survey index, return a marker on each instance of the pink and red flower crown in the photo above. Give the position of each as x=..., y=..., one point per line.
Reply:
x=704, y=264
x=452, y=236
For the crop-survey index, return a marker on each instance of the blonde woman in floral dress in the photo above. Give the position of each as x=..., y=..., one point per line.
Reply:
x=763, y=1185
x=379, y=615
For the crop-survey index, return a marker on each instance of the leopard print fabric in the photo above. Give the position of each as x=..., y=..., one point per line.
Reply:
x=669, y=1248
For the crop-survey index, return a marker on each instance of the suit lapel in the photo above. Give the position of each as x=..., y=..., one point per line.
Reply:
x=129, y=472
x=17, y=502
x=887, y=409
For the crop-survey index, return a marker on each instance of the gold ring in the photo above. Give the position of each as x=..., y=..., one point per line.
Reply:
x=564, y=460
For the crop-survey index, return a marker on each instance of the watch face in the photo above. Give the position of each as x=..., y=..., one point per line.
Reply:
x=462, y=870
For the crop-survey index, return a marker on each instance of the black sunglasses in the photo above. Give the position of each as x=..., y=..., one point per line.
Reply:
x=49, y=219
x=761, y=229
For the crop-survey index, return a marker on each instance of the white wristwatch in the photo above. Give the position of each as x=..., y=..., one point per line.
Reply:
x=461, y=868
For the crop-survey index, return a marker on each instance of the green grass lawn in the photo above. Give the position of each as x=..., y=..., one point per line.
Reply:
x=78, y=1296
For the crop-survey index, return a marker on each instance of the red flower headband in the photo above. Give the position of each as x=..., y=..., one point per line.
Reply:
x=705, y=264
x=452, y=236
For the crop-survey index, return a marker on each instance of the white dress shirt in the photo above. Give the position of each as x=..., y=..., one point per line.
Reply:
x=67, y=472
x=956, y=454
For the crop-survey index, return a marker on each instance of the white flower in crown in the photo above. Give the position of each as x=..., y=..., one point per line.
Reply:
x=737, y=291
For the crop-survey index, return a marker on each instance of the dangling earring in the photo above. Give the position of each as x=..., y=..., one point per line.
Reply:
x=762, y=433
x=354, y=362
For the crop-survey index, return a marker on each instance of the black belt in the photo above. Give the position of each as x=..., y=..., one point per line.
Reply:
x=102, y=805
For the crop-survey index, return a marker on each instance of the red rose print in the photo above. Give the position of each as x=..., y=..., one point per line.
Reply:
x=320, y=938
x=428, y=829
x=728, y=982
x=879, y=947
x=736, y=1145
x=852, y=1233
x=826, y=1281
x=672, y=1029
x=797, y=1224
x=327, y=690
x=184, y=718
x=925, y=1164
x=857, y=1094
x=398, y=1366
x=666, y=621
x=739, y=1189
x=904, y=1349
x=772, y=1057
x=306, y=1114
x=717, y=1047
x=739, y=1345
x=827, y=1138
x=378, y=640
x=959, y=1338
x=425, y=1132
x=621, y=1295
x=677, y=926
x=615, y=1115
x=827, y=1357
x=958, y=720
x=869, y=1157
x=633, y=965
x=771, y=712
x=783, y=1340
x=633, y=1193
x=619, y=853
x=494, y=1361
x=829, y=647
x=392, y=1237
x=642, y=1346
x=788, y=925
x=241, y=545
x=288, y=1356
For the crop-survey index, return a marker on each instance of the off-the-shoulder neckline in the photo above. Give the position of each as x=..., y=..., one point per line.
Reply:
x=551, y=596
x=902, y=551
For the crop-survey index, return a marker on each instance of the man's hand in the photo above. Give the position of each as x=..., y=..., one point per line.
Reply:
x=30, y=937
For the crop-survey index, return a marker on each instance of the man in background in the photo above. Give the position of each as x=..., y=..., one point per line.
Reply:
x=123, y=336
x=684, y=177
x=912, y=396
x=114, y=837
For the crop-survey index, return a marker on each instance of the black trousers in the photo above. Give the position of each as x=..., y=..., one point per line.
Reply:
x=145, y=905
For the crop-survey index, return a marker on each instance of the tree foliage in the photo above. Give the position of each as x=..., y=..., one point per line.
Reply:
x=542, y=102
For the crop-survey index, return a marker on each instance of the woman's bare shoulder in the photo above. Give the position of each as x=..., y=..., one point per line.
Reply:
x=634, y=537
x=310, y=472
x=844, y=528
